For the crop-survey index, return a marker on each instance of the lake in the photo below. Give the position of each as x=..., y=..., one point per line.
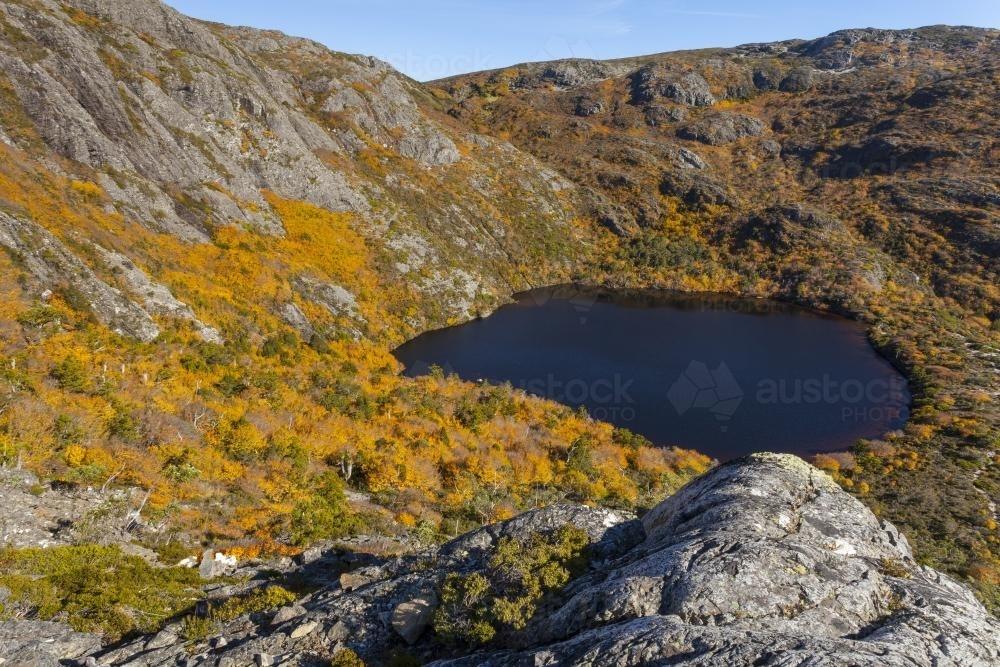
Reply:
x=721, y=375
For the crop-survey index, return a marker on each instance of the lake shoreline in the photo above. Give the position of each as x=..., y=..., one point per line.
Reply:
x=601, y=376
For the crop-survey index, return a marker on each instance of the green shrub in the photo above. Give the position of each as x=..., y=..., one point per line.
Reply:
x=75, y=298
x=471, y=413
x=893, y=567
x=169, y=550
x=325, y=515
x=319, y=344
x=476, y=608
x=122, y=424
x=283, y=345
x=348, y=399
x=67, y=431
x=989, y=594
x=95, y=589
x=347, y=658
x=197, y=628
x=205, y=356
x=256, y=601
x=626, y=438
x=579, y=457
x=232, y=384
x=464, y=614
x=653, y=250
x=71, y=375
x=38, y=316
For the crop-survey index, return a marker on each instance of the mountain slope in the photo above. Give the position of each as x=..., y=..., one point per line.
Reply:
x=856, y=172
x=185, y=126
x=213, y=237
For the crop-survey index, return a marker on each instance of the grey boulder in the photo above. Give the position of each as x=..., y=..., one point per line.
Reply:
x=763, y=561
x=43, y=644
x=720, y=128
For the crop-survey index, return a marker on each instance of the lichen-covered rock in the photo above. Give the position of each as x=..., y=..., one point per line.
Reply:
x=697, y=190
x=54, y=265
x=767, y=78
x=691, y=89
x=286, y=614
x=589, y=106
x=43, y=644
x=653, y=82
x=764, y=560
x=216, y=564
x=578, y=72
x=836, y=50
x=658, y=115
x=161, y=640
x=717, y=129
x=411, y=618
x=798, y=80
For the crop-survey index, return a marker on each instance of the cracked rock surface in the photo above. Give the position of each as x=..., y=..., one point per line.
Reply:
x=762, y=561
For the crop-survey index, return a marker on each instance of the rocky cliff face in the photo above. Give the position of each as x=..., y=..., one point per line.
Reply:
x=185, y=126
x=761, y=561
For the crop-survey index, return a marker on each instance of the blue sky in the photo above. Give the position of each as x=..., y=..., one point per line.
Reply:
x=436, y=38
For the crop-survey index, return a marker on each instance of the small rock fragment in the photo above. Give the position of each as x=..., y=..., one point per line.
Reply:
x=288, y=613
x=337, y=633
x=304, y=629
x=411, y=618
x=163, y=639
x=350, y=581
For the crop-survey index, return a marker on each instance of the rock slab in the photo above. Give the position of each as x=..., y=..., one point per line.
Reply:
x=764, y=560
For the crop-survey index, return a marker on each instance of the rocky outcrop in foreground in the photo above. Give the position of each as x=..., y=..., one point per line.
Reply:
x=761, y=561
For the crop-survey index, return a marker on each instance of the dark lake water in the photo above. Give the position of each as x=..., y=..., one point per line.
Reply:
x=724, y=376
